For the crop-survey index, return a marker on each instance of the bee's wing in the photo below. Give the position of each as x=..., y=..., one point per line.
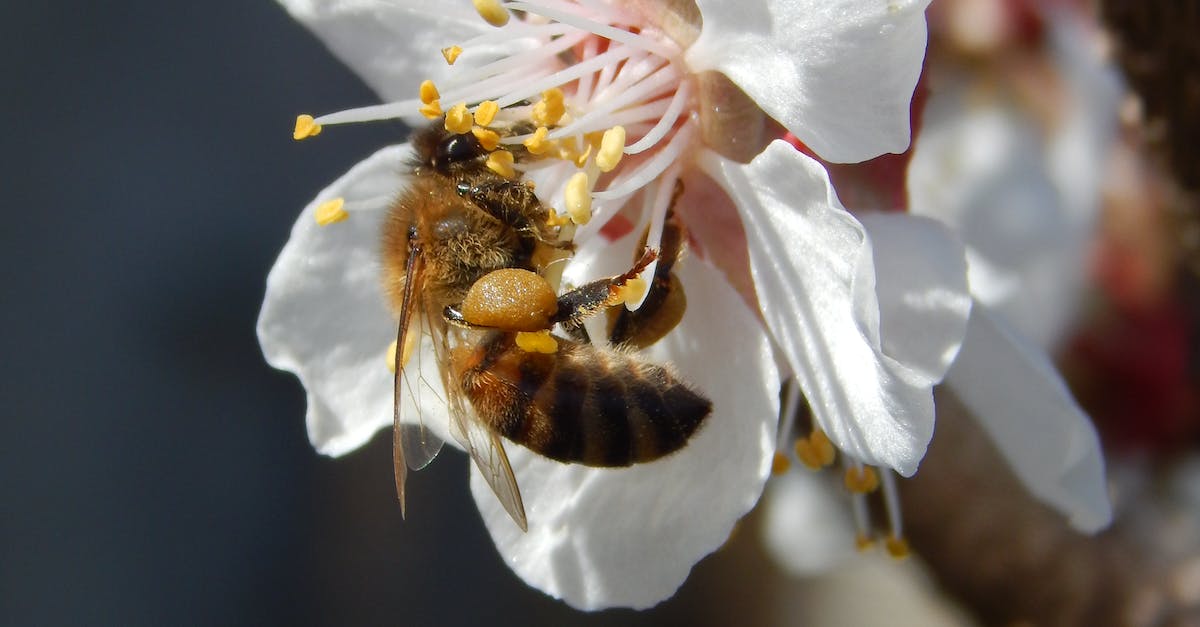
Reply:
x=420, y=443
x=416, y=449
x=483, y=445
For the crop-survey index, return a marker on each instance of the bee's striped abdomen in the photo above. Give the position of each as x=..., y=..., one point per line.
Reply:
x=580, y=404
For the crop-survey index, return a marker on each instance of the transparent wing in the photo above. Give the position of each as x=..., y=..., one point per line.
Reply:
x=413, y=448
x=420, y=443
x=484, y=446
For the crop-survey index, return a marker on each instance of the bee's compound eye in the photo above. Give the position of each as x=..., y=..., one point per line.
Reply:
x=456, y=149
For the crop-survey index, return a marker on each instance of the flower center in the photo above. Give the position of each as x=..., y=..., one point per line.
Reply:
x=594, y=101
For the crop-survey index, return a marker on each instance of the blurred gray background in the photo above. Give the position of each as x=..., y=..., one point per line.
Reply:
x=154, y=469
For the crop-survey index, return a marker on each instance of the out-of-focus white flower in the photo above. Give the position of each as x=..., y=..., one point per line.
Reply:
x=689, y=102
x=1023, y=192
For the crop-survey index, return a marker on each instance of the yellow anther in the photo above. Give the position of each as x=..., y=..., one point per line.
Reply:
x=861, y=480
x=633, y=290
x=815, y=451
x=863, y=542
x=331, y=211
x=780, y=464
x=593, y=138
x=567, y=148
x=555, y=220
x=458, y=119
x=550, y=109
x=306, y=127
x=429, y=92
x=612, y=148
x=410, y=344
x=501, y=162
x=537, y=342
x=486, y=112
x=897, y=547
x=537, y=143
x=431, y=111
x=579, y=198
x=451, y=54
x=581, y=159
x=491, y=12
x=488, y=138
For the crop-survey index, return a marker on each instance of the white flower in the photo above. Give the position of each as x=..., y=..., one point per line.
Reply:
x=838, y=74
x=1023, y=196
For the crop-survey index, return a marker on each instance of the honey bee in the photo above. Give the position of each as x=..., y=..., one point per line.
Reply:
x=464, y=251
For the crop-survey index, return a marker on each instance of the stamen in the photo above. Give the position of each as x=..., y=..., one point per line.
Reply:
x=665, y=123
x=611, y=150
x=306, y=127
x=558, y=40
x=385, y=111
x=501, y=162
x=486, y=112
x=491, y=12
x=458, y=119
x=864, y=538
x=432, y=110
x=536, y=144
x=653, y=168
x=521, y=92
x=429, y=92
x=451, y=53
x=331, y=212
x=488, y=138
x=861, y=479
x=604, y=30
x=780, y=464
x=816, y=451
x=897, y=546
x=578, y=198
x=550, y=109
x=536, y=342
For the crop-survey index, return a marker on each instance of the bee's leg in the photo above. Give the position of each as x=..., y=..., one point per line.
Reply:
x=585, y=301
x=665, y=302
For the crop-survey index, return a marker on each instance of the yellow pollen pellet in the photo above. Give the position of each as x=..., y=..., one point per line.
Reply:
x=486, y=112
x=537, y=143
x=862, y=480
x=579, y=198
x=633, y=290
x=306, y=127
x=432, y=110
x=331, y=211
x=612, y=148
x=897, y=547
x=491, y=12
x=536, y=342
x=501, y=162
x=488, y=138
x=451, y=54
x=780, y=464
x=429, y=92
x=458, y=119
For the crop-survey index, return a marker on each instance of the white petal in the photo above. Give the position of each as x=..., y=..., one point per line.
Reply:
x=629, y=537
x=839, y=74
x=324, y=317
x=1023, y=404
x=813, y=271
x=921, y=281
x=392, y=45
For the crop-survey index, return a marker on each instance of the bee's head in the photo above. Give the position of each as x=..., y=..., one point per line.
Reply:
x=443, y=151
